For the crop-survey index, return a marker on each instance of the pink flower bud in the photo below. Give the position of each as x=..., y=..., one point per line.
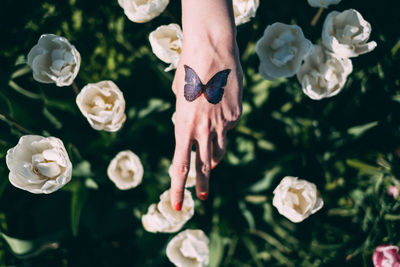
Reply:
x=394, y=191
x=386, y=256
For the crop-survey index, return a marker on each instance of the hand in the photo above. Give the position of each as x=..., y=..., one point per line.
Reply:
x=200, y=122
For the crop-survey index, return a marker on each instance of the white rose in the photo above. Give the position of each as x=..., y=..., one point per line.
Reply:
x=125, y=170
x=244, y=10
x=323, y=74
x=54, y=60
x=143, y=10
x=161, y=217
x=103, y=105
x=189, y=248
x=191, y=178
x=166, y=43
x=323, y=3
x=346, y=33
x=39, y=164
x=281, y=50
x=296, y=199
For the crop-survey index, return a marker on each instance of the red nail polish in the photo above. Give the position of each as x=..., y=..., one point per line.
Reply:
x=203, y=196
x=213, y=166
x=178, y=206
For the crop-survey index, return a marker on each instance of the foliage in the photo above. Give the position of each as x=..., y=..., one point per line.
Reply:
x=348, y=145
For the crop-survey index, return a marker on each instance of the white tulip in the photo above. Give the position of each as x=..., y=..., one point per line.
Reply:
x=125, y=170
x=189, y=248
x=296, y=199
x=346, y=33
x=143, y=10
x=323, y=3
x=103, y=105
x=184, y=215
x=153, y=221
x=244, y=10
x=162, y=217
x=281, y=50
x=323, y=74
x=166, y=43
x=39, y=164
x=54, y=60
x=192, y=174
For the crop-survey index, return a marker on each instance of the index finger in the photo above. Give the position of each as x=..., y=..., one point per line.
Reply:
x=180, y=169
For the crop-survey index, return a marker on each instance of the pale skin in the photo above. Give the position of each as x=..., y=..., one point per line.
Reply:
x=209, y=46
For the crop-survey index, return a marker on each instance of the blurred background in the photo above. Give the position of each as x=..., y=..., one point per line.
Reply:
x=348, y=145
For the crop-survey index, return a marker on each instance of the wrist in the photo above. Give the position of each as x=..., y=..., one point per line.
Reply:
x=208, y=21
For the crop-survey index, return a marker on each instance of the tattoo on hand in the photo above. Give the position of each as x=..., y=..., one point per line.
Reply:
x=213, y=90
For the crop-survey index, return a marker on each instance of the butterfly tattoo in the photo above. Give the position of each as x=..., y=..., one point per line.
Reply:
x=213, y=90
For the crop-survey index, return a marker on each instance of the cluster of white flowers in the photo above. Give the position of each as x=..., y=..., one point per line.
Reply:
x=163, y=218
x=283, y=48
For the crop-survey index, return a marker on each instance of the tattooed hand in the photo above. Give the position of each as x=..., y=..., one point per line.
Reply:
x=209, y=47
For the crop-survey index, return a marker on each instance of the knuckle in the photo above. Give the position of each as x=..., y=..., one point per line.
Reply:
x=205, y=169
x=181, y=169
x=234, y=115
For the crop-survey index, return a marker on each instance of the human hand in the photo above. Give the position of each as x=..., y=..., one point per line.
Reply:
x=200, y=122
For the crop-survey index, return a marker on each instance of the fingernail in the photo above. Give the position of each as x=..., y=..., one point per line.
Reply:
x=178, y=206
x=213, y=165
x=203, y=196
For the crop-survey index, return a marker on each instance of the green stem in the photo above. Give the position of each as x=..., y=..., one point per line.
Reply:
x=11, y=121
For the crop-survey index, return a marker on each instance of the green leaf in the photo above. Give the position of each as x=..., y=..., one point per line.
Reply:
x=20, y=72
x=154, y=105
x=247, y=215
x=25, y=249
x=53, y=119
x=82, y=169
x=363, y=166
x=361, y=129
x=216, y=249
x=18, y=246
x=23, y=91
x=78, y=200
x=265, y=182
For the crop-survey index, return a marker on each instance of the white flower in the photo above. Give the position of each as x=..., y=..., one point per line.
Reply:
x=173, y=118
x=166, y=43
x=54, y=60
x=244, y=10
x=281, y=50
x=161, y=217
x=346, y=33
x=103, y=105
x=323, y=74
x=323, y=3
x=191, y=178
x=39, y=164
x=143, y=10
x=296, y=199
x=189, y=248
x=125, y=170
